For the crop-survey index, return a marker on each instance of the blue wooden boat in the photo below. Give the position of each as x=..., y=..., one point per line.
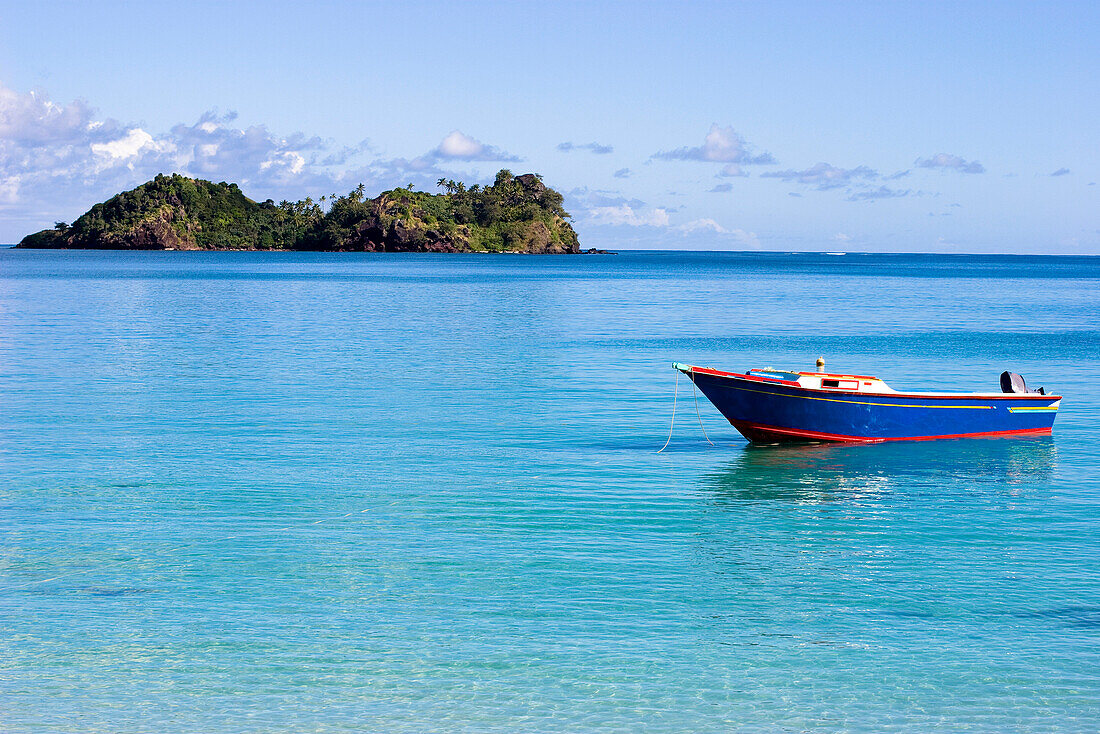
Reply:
x=771, y=406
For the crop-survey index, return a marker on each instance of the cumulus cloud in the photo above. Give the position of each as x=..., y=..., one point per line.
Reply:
x=460, y=146
x=721, y=145
x=1060, y=172
x=9, y=188
x=716, y=236
x=33, y=120
x=745, y=239
x=708, y=231
x=456, y=147
x=56, y=160
x=127, y=147
x=61, y=158
x=824, y=176
x=859, y=182
x=732, y=170
x=597, y=207
x=597, y=148
x=584, y=198
x=882, y=192
x=721, y=188
x=215, y=148
x=342, y=156
x=45, y=146
x=625, y=214
x=951, y=162
x=702, y=225
x=622, y=173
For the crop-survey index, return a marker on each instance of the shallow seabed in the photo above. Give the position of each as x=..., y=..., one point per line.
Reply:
x=252, y=492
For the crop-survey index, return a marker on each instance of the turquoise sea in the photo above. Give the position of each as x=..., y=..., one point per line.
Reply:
x=245, y=492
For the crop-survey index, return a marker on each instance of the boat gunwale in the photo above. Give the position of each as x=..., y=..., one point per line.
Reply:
x=691, y=370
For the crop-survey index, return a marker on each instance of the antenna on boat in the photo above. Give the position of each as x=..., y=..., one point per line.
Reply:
x=820, y=364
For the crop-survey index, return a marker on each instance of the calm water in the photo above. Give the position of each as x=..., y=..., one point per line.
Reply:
x=337, y=492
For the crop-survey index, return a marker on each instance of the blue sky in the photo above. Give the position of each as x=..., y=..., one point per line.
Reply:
x=779, y=126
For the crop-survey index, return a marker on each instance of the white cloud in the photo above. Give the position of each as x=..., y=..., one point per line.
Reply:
x=56, y=160
x=746, y=239
x=720, y=145
x=824, y=176
x=597, y=148
x=714, y=235
x=702, y=225
x=882, y=192
x=858, y=182
x=9, y=188
x=625, y=214
x=425, y=169
x=31, y=119
x=460, y=146
x=290, y=161
x=948, y=161
x=128, y=146
x=262, y=162
x=732, y=170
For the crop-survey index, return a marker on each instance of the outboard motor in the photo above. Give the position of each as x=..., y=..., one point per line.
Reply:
x=1013, y=383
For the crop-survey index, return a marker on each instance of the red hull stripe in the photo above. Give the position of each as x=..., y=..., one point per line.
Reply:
x=796, y=433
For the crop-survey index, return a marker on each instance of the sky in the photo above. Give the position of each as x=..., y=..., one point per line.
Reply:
x=789, y=126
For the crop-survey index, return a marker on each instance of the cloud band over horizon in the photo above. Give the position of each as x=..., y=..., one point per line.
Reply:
x=57, y=159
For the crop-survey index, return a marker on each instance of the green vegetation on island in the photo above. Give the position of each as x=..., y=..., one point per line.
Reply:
x=514, y=214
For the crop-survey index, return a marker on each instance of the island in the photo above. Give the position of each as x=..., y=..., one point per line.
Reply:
x=516, y=214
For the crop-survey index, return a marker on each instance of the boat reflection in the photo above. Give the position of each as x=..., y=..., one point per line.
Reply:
x=832, y=472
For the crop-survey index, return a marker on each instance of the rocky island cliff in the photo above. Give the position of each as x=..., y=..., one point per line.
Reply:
x=514, y=214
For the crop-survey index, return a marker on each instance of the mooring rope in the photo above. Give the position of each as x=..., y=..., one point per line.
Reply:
x=699, y=415
x=674, y=393
x=695, y=394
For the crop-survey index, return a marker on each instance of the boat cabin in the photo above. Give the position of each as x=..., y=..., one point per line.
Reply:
x=824, y=381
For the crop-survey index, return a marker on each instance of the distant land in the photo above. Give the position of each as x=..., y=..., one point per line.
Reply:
x=515, y=214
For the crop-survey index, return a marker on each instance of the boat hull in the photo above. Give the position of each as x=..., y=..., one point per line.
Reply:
x=770, y=412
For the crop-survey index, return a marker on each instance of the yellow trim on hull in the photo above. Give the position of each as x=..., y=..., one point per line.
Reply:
x=863, y=402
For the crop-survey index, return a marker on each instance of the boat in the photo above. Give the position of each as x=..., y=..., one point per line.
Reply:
x=769, y=406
